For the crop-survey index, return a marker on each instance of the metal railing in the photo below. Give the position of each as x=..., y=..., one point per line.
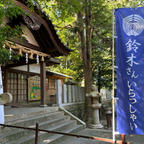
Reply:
x=37, y=130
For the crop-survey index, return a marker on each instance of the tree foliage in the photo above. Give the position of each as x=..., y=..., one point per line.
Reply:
x=69, y=26
x=8, y=9
x=64, y=14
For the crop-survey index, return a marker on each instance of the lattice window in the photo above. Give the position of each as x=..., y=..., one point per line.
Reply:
x=17, y=86
x=51, y=83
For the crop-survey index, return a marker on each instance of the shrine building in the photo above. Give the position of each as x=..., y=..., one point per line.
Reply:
x=27, y=79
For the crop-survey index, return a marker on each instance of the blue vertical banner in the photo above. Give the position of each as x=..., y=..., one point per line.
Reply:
x=130, y=72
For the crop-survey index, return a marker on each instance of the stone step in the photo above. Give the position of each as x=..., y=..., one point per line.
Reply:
x=61, y=128
x=16, y=133
x=42, y=135
x=55, y=139
x=37, y=118
x=48, y=119
x=17, y=114
x=31, y=121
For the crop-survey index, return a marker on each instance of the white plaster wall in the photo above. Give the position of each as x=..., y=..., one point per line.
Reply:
x=22, y=68
x=35, y=68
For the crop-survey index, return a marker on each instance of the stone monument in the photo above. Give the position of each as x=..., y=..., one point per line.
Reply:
x=107, y=104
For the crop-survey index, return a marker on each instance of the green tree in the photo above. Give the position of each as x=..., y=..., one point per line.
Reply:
x=83, y=29
x=87, y=26
x=10, y=10
x=63, y=16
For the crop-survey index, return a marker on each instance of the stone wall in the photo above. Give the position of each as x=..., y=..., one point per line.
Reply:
x=71, y=97
x=77, y=109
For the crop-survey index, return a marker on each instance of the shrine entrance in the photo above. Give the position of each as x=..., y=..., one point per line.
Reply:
x=24, y=87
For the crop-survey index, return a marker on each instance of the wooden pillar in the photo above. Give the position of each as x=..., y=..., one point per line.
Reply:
x=43, y=82
x=5, y=80
x=27, y=85
x=18, y=80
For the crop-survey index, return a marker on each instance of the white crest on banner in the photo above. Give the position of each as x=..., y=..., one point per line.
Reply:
x=133, y=25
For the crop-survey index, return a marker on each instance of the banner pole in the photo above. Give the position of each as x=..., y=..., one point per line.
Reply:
x=113, y=79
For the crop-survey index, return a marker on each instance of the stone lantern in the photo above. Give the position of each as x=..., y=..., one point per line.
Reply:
x=107, y=104
x=95, y=106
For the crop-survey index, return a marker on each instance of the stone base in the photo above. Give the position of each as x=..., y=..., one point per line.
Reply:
x=95, y=126
x=43, y=105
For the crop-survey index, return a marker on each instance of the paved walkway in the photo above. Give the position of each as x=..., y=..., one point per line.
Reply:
x=89, y=132
x=137, y=139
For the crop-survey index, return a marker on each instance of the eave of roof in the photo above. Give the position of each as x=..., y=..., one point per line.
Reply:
x=61, y=49
x=21, y=61
x=58, y=74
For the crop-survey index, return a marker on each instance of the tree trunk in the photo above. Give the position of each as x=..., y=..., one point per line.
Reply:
x=86, y=53
x=87, y=59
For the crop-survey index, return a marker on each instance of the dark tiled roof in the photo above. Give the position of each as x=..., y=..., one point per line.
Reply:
x=46, y=35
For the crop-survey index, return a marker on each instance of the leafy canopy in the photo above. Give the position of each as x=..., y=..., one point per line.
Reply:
x=9, y=10
x=64, y=15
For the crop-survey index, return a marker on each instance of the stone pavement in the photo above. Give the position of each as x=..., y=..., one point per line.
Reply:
x=89, y=132
x=139, y=139
x=135, y=139
x=103, y=133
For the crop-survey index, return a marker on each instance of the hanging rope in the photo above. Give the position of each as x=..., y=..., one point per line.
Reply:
x=27, y=51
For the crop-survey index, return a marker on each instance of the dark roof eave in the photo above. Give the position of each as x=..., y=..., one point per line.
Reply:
x=49, y=26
